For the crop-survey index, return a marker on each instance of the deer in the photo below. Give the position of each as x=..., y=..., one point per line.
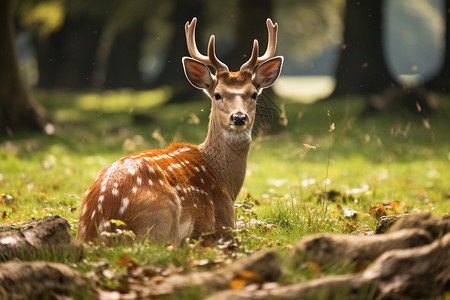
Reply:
x=186, y=191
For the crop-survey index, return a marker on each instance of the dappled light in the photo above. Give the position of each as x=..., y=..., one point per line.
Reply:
x=344, y=193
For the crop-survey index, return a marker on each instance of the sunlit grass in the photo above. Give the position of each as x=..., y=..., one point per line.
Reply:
x=399, y=162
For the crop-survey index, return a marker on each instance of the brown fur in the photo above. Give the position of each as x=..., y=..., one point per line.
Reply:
x=183, y=186
x=184, y=190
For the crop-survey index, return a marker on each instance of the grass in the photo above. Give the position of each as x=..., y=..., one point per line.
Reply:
x=396, y=162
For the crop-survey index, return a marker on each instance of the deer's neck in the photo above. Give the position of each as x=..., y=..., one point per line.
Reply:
x=227, y=153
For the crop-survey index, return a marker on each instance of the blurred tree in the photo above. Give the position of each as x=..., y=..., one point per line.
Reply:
x=172, y=73
x=441, y=82
x=66, y=37
x=251, y=24
x=18, y=108
x=119, y=51
x=84, y=43
x=308, y=28
x=66, y=59
x=362, y=68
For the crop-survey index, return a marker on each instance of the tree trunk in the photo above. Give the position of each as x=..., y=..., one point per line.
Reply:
x=18, y=108
x=37, y=239
x=123, y=63
x=248, y=27
x=441, y=82
x=42, y=280
x=362, y=68
x=66, y=58
x=173, y=74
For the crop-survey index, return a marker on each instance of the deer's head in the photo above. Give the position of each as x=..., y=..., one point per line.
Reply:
x=233, y=94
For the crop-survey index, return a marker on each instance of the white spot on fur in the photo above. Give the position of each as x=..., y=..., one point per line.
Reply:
x=139, y=181
x=103, y=188
x=197, y=169
x=185, y=229
x=177, y=188
x=100, y=208
x=202, y=180
x=93, y=215
x=161, y=182
x=101, y=226
x=116, y=185
x=134, y=189
x=83, y=210
x=125, y=202
x=101, y=198
x=150, y=182
x=115, y=192
x=81, y=229
x=203, y=168
x=151, y=169
x=131, y=170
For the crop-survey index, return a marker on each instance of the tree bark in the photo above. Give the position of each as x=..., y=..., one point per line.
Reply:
x=325, y=249
x=66, y=59
x=260, y=266
x=414, y=273
x=362, y=68
x=123, y=63
x=173, y=73
x=41, y=280
x=37, y=239
x=18, y=108
x=441, y=82
x=249, y=27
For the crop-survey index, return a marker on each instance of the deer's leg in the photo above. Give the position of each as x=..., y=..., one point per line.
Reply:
x=154, y=215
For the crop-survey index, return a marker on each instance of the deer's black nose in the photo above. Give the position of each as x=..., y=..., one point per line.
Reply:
x=239, y=119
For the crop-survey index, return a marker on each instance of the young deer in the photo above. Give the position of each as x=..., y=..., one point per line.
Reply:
x=185, y=190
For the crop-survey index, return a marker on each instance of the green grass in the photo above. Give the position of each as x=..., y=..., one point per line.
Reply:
x=394, y=163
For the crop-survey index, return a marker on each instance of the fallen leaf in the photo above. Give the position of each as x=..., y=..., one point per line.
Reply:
x=395, y=205
x=332, y=127
x=4, y=214
x=377, y=211
x=250, y=276
x=237, y=284
x=127, y=261
x=314, y=268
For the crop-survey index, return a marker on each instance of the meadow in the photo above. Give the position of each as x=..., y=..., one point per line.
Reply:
x=329, y=168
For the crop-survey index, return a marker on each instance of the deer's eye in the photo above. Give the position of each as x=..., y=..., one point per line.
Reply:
x=217, y=96
x=254, y=96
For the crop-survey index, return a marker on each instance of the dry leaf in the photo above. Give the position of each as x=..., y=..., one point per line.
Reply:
x=332, y=127
x=237, y=284
x=314, y=268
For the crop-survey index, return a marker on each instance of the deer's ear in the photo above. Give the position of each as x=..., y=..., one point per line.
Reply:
x=267, y=73
x=197, y=73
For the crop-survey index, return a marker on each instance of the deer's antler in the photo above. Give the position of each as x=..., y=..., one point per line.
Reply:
x=211, y=59
x=254, y=60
